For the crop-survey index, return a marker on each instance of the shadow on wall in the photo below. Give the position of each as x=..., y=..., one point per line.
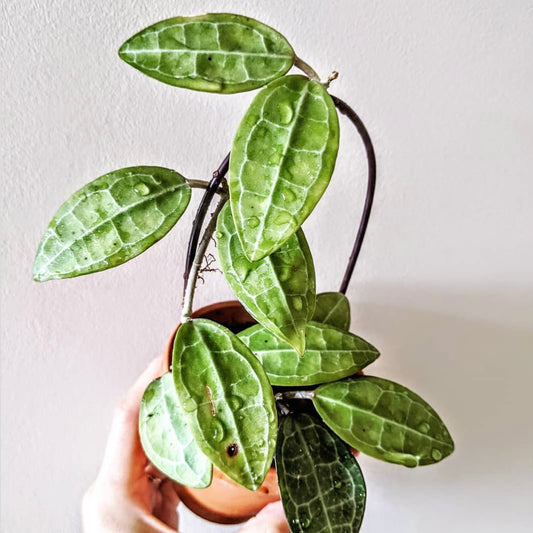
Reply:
x=470, y=354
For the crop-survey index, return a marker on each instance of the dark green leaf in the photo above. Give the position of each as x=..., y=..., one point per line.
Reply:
x=330, y=354
x=279, y=290
x=166, y=439
x=111, y=220
x=333, y=308
x=281, y=162
x=321, y=485
x=218, y=52
x=384, y=420
x=227, y=399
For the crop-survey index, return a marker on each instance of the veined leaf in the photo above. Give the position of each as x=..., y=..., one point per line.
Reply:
x=281, y=162
x=333, y=308
x=385, y=420
x=218, y=52
x=279, y=290
x=111, y=220
x=321, y=485
x=227, y=399
x=330, y=354
x=166, y=439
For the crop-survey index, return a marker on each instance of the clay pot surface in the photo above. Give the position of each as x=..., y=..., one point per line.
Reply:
x=225, y=502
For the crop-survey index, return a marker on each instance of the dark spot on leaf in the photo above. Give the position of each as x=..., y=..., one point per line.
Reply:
x=266, y=340
x=232, y=450
x=209, y=58
x=85, y=258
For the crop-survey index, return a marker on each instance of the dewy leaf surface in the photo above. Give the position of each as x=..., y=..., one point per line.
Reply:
x=333, y=308
x=218, y=52
x=279, y=290
x=281, y=162
x=321, y=485
x=111, y=220
x=227, y=400
x=385, y=420
x=166, y=439
x=330, y=354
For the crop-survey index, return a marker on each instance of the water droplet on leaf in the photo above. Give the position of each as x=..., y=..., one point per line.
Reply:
x=189, y=405
x=288, y=195
x=283, y=218
x=436, y=454
x=297, y=303
x=285, y=113
x=252, y=222
x=424, y=427
x=235, y=402
x=242, y=267
x=142, y=189
x=217, y=430
x=219, y=235
x=337, y=483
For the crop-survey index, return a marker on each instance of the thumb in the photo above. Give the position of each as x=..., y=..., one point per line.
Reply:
x=271, y=519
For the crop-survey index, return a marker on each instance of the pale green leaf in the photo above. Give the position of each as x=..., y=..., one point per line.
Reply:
x=227, y=399
x=111, y=220
x=166, y=439
x=279, y=290
x=217, y=52
x=321, y=485
x=281, y=162
x=330, y=354
x=385, y=420
x=333, y=308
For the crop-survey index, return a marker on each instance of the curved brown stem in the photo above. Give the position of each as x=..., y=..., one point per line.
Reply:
x=346, y=110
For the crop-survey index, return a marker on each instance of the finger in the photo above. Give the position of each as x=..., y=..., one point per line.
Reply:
x=167, y=510
x=124, y=459
x=271, y=519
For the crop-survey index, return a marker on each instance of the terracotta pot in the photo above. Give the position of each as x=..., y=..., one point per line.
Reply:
x=225, y=502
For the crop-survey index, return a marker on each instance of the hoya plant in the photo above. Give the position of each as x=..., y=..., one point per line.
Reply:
x=289, y=388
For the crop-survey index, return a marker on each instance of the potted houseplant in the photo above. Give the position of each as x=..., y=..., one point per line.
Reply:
x=278, y=378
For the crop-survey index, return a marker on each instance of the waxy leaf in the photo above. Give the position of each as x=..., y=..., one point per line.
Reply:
x=384, y=420
x=330, y=354
x=279, y=290
x=321, y=485
x=111, y=220
x=281, y=162
x=218, y=52
x=166, y=439
x=333, y=308
x=227, y=399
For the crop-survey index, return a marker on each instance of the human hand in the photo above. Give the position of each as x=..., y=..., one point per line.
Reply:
x=130, y=496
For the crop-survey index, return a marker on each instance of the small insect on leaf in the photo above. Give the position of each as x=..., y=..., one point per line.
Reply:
x=111, y=220
x=385, y=420
x=217, y=52
x=281, y=162
x=279, y=290
x=227, y=399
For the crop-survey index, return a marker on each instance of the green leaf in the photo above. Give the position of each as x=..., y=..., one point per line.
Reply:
x=330, y=354
x=384, y=420
x=333, y=308
x=166, y=439
x=227, y=399
x=218, y=52
x=281, y=162
x=279, y=290
x=111, y=220
x=321, y=485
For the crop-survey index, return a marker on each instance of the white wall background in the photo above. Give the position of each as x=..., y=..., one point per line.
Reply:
x=444, y=286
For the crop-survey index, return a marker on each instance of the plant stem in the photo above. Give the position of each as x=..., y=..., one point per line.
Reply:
x=346, y=110
x=190, y=285
x=306, y=68
x=198, y=184
x=295, y=395
x=212, y=188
